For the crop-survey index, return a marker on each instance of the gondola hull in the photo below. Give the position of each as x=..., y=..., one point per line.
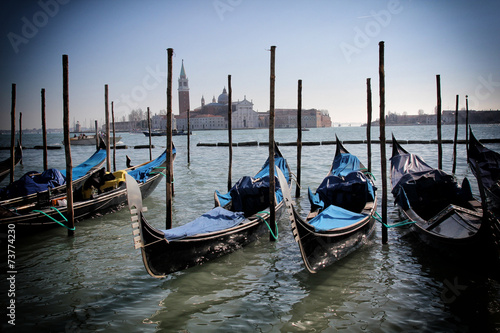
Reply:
x=322, y=249
x=104, y=203
x=162, y=257
x=236, y=221
x=444, y=215
x=347, y=230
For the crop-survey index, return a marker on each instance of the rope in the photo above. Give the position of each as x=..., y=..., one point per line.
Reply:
x=268, y=226
x=53, y=219
x=164, y=175
x=378, y=218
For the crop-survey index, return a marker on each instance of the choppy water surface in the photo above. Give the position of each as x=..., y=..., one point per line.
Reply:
x=95, y=281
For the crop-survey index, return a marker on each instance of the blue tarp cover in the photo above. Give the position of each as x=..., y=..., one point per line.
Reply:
x=141, y=174
x=251, y=194
x=33, y=182
x=214, y=220
x=334, y=217
x=343, y=164
x=85, y=167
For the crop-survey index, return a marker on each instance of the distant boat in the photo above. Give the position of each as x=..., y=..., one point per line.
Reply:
x=164, y=133
x=86, y=140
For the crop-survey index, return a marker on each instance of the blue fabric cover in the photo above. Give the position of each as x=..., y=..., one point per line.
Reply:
x=251, y=194
x=343, y=164
x=33, y=182
x=214, y=220
x=82, y=169
x=141, y=174
x=335, y=217
x=345, y=186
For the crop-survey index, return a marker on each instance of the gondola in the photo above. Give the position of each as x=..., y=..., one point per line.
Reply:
x=6, y=164
x=18, y=194
x=101, y=194
x=239, y=218
x=341, y=218
x=446, y=216
x=485, y=165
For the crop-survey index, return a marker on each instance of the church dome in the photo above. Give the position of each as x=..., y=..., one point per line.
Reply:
x=223, y=98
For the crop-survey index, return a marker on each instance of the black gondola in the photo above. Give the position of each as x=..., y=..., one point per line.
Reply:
x=485, y=164
x=239, y=218
x=100, y=194
x=341, y=218
x=6, y=164
x=16, y=195
x=445, y=214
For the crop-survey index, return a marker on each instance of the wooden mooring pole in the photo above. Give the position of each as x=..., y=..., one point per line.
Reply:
x=467, y=122
x=21, y=132
x=114, y=135
x=96, y=136
x=272, y=185
x=106, y=109
x=13, y=132
x=188, y=140
x=67, y=150
x=149, y=131
x=44, y=132
x=369, y=123
x=168, y=220
x=381, y=72
x=455, y=140
x=230, y=131
x=438, y=122
x=299, y=137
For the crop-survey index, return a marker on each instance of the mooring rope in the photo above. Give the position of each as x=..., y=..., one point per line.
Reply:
x=268, y=226
x=53, y=219
x=402, y=223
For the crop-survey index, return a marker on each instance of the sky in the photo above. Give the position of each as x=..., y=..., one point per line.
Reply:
x=331, y=45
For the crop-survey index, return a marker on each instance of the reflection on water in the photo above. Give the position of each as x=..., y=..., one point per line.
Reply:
x=95, y=281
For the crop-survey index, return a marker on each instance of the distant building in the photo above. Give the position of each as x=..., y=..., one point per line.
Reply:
x=214, y=115
x=287, y=118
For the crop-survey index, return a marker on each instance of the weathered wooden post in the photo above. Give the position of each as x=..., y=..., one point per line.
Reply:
x=188, y=135
x=438, y=122
x=369, y=122
x=149, y=131
x=381, y=72
x=106, y=108
x=21, y=132
x=44, y=132
x=299, y=137
x=96, y=136
x=13, y=133
x=455, y=140
x=67, y=149
x=114, y=136
x=467, y=122
x=229, y=131
x=272, y=185
x=168, y=222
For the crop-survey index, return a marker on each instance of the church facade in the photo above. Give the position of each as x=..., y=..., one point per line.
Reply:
x=214, y=115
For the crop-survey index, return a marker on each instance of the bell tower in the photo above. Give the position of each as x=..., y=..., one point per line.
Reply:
x=183, y=91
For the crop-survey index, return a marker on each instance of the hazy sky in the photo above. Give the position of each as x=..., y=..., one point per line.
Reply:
x=331, y=45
